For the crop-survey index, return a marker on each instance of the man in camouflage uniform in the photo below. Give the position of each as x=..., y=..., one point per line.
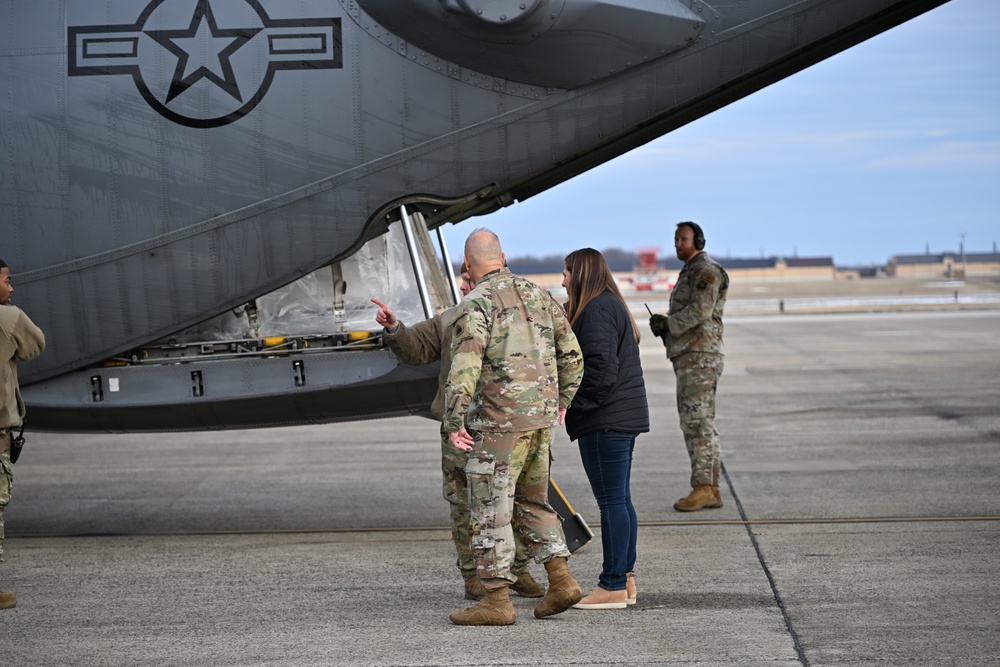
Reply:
x=692, y=334
x=516, y=366
x=19, y=339
x=424, y=343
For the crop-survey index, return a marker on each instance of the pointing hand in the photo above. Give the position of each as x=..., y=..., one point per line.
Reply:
x=385, y=316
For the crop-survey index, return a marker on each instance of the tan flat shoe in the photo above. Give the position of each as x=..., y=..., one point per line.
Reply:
x=601, y=598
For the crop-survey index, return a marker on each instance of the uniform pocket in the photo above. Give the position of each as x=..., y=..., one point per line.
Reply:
x=6, y=481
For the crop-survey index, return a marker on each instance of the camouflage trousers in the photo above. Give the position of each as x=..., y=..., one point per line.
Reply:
x=6, y=483
x=456, y=492
x=697, y=378
x=508, y=475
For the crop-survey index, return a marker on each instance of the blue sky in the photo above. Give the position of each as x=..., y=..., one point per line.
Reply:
x=892, y=147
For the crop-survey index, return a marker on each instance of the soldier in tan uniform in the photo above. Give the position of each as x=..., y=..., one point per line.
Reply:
x=515, y=368
x=692, y=334
x=19, y=339
x=424, y=343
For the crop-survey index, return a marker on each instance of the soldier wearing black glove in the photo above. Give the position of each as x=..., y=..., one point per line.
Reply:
x=658, y=323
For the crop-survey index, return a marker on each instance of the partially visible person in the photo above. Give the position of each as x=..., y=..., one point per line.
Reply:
x=692, y=334
x=607, y=413
x=515, y=367
x=424, y=343
x=19, y=339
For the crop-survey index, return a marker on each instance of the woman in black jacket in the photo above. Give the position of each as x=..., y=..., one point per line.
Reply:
x=606, y=415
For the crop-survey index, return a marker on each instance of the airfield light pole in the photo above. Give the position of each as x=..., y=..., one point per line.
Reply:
x=418, y=269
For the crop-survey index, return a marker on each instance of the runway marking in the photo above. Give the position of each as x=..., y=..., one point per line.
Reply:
x=415, y=529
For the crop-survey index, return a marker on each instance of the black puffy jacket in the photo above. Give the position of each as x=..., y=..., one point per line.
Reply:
x=613, y=395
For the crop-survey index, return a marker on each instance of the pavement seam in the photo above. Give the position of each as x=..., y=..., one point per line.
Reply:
x=767, y=571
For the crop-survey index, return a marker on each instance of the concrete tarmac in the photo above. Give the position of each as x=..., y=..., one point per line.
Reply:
x=861, y=526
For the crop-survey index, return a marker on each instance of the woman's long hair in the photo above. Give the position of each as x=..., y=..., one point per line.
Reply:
x=590, y=276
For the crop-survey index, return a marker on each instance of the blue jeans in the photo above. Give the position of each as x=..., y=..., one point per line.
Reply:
x=607, y=458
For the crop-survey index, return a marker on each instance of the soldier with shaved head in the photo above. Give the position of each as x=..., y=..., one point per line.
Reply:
x=516, y=366
x=423, y=343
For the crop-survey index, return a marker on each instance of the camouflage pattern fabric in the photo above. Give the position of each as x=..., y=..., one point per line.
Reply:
x=6, y=483
x=697, y=378
x=424, y=343
x=508, y=477
x=456, y=492
x=19, y=339
x=515, y=359
x=696, y=304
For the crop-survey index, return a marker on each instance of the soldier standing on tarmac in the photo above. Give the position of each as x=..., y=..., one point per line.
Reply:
x=692, y=334
x=19, y=339
x=423, y=343
x=517, y=364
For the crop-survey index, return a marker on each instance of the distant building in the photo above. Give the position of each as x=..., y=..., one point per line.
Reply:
x=631, y=269
x=780, y=268
x=636, y=271
x=947, y=265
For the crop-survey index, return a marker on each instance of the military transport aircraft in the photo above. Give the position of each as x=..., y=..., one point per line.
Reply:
x=198, y=197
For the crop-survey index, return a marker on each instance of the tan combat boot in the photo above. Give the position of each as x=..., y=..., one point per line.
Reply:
x=563, y=591
x=527, y=587
x=7, y=600
x=474, y=588
x=494, y=609
x=700, y=497
x=718, y=497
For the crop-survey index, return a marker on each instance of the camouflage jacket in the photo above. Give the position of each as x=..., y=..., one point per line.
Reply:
x=515, y=359
x=426, y=342
x=19, y=339
x=695, y=317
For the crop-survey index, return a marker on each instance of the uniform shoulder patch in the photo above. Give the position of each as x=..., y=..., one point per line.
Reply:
x=705, y=279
